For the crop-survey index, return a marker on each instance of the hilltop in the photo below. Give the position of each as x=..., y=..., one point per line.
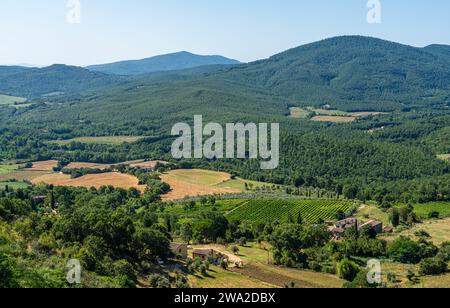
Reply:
x=169, y=62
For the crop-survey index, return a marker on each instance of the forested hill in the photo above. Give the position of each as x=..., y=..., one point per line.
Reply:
x=170, y=62
x=36, y=82
x=441, y=50
x=350, y=73
x=353, y=72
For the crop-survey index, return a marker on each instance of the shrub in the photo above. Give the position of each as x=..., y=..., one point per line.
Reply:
x=347, y=270
x=315, y=266
x=360, y=282
x=433, y=266
x=422, y=234
x=434, y=215
x=203, y=270
x=235, y=250
x=159, y=282
x=444, y=252
x=242, y=241
x=405, y=250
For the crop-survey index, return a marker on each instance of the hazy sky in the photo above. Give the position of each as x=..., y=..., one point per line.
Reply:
x=37, y=31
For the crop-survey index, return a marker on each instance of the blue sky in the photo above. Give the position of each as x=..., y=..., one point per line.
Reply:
x=36, y=31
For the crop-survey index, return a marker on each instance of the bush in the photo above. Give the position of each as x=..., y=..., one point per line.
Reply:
x=360, y=282
x=422, y=234
x=7, y=272
x=203, y=270
x=235, y=250
x=159, y=282
x=405, y=250
x=347, y=270
x=242, y=241
x=444, y=252
x=315, y=266
x=434, y=215
x=433, y=266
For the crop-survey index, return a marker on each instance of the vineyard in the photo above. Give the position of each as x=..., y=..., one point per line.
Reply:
x=270, y=210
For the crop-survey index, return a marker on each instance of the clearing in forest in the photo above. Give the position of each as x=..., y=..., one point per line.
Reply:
x=445, y=157
x=333, y=119
x=106, y=140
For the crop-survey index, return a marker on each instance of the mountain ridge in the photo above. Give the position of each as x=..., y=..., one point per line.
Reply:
x=167, y=62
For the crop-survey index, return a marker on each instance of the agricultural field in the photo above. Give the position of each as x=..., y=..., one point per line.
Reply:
x=298, y=113
x=270, y=210
x=439, y=230
x=43, y=166
x=423, y=210
x=87, y=166
x=445, y=157
x=196, y=182
x=148, y=165
x=333, y=119
x=325, y=115
x=222, y=206
x=107, y=140
x=14, y=185
x=6, y=100
x=114, y=179
x=21, y=175
x=220, y=278
x=5, y=169
x=373, y=212
x=258, y=269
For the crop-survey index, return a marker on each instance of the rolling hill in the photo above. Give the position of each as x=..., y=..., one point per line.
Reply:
x=55, y=79
x=352, y=73
x=170, y=62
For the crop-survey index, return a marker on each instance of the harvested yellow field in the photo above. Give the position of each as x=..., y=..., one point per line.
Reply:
x=22, y=175
x=149, y=165
x=195, y=182
x=115, y=179
x=334, y=119
x=87, y=166
x=366, y=114
x=445, y=157
x=47, y=165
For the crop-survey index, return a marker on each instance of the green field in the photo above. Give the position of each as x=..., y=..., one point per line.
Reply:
x=422, y=210
x=299, y=113
x=14, y=185
x=5, y=169
x=11, y=100
x=107, y=140
x=222, y=206
x=270, y=210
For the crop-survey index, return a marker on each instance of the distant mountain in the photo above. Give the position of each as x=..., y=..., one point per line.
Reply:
x=352, y=72
x=170, y=62
x=35, y=82
x=11, y=70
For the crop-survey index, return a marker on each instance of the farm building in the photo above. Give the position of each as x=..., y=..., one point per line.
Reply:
x=179, y=250
x=339, y=227
x=374, y=224
x=203, y=254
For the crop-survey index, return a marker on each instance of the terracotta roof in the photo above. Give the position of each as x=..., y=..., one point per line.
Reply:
x=203, y=251
x=176, y=246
